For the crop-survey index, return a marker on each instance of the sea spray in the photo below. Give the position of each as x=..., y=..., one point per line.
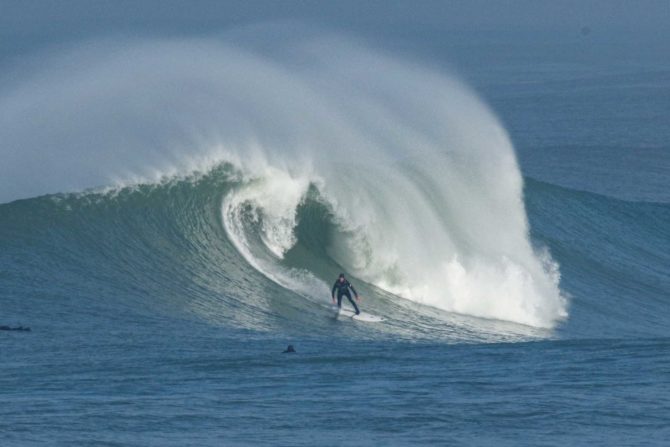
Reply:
x=420, y=177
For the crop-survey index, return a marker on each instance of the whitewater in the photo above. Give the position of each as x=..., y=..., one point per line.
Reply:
x=419, y=176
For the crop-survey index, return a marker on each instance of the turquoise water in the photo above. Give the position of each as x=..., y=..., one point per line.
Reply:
x=159, y=311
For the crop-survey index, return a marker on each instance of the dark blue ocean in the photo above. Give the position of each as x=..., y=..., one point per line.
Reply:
x=166, y=236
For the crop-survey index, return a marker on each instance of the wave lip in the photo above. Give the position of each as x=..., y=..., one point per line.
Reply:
x=261, y=216
x=418, y=175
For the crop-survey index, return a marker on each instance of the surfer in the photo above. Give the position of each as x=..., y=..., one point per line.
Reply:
x=19, y=328
x=342, y=286
x=289, y=350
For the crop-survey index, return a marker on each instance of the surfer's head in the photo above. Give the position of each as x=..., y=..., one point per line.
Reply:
x=341, y=277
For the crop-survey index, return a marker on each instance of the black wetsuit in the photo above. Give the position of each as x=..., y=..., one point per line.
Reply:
x=343, y=290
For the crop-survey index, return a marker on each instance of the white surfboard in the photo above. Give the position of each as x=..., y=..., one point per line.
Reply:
x=363, y=316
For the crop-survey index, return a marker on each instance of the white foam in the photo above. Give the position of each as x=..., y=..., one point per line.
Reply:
x=421, y=176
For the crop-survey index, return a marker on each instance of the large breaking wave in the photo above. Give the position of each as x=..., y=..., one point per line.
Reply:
x=416, y=177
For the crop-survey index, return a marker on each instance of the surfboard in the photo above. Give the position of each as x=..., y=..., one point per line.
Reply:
x=363, y=316
x=369, y=318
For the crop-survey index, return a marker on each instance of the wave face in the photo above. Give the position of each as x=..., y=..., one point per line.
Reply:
x=328, y=156
x=614, y=256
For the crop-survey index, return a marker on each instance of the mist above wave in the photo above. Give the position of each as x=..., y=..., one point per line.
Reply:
x=420, y=175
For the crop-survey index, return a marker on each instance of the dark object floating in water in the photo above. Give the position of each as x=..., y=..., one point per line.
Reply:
x=289, y=349
x=20, y=328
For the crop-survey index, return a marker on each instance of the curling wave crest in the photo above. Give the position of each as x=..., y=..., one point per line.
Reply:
x=419, y=177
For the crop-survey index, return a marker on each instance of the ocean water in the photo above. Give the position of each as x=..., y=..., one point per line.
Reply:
x=174, y=214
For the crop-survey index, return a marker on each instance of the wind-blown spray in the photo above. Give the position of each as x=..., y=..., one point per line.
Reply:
x=420, y=177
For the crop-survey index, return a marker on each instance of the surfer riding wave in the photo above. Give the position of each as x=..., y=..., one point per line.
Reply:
x=342, y=286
